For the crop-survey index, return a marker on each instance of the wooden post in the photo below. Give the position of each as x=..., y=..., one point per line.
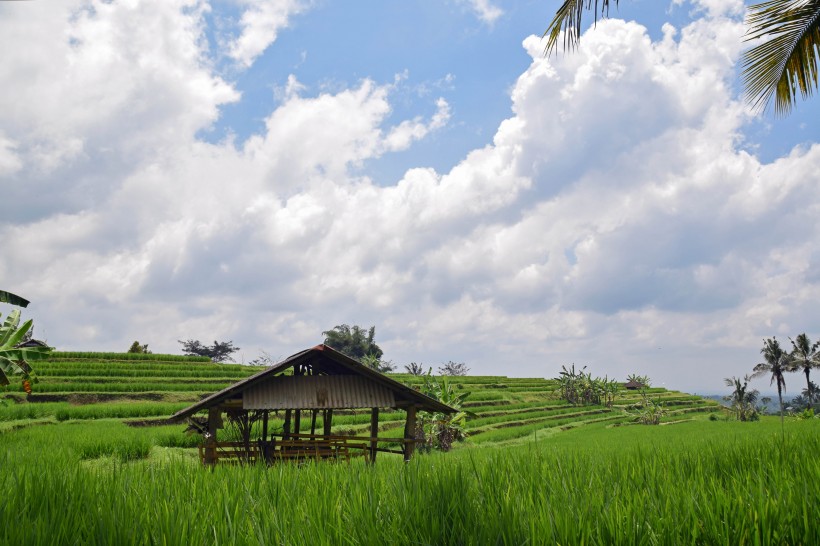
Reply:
x=265, y=426
x=297, y=423
x=374, y=433
x=327, y=420
x=313, y=421
x=210, y=442
x=286, y=426
x=410, y=433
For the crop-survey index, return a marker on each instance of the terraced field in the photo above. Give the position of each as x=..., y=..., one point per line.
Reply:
x=149, y=388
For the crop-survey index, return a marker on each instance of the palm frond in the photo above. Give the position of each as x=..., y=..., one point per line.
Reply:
x=569, y=18
x=787, y=61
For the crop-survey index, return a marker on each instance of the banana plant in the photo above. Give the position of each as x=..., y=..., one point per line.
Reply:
x=441, y=429
x=14, y=360
x=14, y=299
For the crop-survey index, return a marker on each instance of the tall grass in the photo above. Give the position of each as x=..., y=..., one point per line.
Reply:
x=652, y=486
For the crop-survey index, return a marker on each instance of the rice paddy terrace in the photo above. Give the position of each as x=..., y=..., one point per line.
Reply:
x=146, y=389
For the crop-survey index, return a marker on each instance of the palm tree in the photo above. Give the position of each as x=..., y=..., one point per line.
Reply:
x=777, y=362
x=806, y=356
x=785, y=62
x=743, y=400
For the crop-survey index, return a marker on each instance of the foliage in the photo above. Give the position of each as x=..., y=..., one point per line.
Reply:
x=220, y=351
x=777, y=363
x=14, y=360
x=743, y=400
x=784, y=63
x=414, y=369
x=579, y=388
x=694, y=483
x=264, y=359
x=57, y=356
x=136, y=348
x=13, y=299
x=642, y=379
x=648, y=411
x=375, y=363
x=439, y=430
x=453, y=369
x=355, y=342
x=805, y=356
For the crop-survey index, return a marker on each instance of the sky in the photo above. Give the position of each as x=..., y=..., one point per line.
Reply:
x=263, y=171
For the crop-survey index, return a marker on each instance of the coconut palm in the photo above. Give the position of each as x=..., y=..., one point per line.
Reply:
x=784, y=63
x=777, y=363
x=806, y=355
x=742, y=398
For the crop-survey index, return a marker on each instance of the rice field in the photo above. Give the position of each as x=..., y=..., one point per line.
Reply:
x=533, y=470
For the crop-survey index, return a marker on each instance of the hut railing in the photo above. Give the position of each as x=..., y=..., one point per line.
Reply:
x=300, y=446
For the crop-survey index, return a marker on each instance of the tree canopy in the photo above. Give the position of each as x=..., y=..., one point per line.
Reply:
x=355, y=342
x=220, y=351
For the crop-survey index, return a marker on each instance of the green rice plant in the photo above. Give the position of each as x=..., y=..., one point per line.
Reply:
x=86, y=355
x=119, y=410
x=14, y=412
x=695, y=483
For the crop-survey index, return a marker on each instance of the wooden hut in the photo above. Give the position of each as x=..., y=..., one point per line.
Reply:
x=308, y=384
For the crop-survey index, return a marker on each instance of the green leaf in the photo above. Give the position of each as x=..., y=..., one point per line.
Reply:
x=13, y=299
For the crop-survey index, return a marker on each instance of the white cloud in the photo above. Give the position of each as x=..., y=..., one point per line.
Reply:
x=485, y=10
x=260, y=24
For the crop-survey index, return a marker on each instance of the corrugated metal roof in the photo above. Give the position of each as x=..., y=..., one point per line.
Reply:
x=317, y=392
x=332, y=363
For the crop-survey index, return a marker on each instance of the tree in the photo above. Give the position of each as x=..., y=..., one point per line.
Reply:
x=414, y=369
x=220, y=351
x=806, y=355
x=453, y=368
x=355, y=342
x=778, y=67
x=743, y=399
x=777, y=363
x=139, y=349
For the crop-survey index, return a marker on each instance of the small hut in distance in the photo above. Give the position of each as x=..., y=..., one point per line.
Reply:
x=304, y=386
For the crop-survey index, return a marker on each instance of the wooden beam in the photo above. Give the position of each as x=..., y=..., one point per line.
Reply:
x=314, y=413
x=374, y=433
x=410, y=433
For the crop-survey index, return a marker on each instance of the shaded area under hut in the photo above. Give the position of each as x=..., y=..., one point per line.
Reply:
x=303, y=388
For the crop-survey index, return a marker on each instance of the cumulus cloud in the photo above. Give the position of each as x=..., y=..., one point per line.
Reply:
x=484, y=10
x=260, y=24
x=613, y=208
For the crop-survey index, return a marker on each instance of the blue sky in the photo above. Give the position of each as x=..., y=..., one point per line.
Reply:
x=263, y=171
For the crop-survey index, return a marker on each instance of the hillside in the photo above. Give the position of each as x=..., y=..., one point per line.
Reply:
x=81, y=386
